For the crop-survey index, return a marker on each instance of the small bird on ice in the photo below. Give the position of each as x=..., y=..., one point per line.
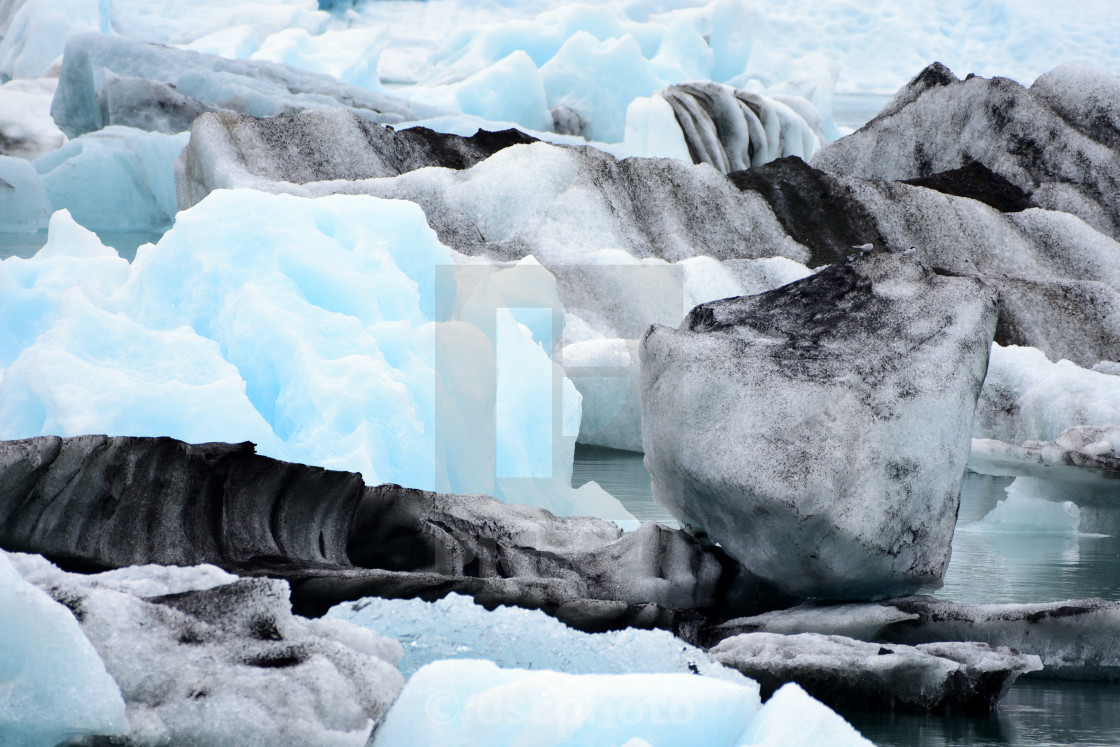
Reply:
x=910, y=252
x=864, y=248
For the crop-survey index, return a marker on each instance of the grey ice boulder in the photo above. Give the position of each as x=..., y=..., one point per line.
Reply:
x=1077, y=639
x=820, y=432
x=841, y=671
x=117, y=80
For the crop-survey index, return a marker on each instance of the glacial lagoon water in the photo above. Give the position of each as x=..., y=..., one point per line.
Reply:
x=985, y=567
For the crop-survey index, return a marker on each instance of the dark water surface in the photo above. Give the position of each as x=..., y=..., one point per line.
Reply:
x=985, y=567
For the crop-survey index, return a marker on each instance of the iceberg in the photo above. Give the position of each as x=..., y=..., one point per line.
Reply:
x=455, y=627
x=26, y=128
x=25, y=206
x=111, y=502
x=732, y=129
x=1080, y=466
x=55, y=684
x=117, y=179
x=109, y=80
x=793, y=427
x=843, y=672
x=205, y=665
x=468, y=702
x=1074, y=638
x=1037, y=138
x=280, y=339
x=1027, y=397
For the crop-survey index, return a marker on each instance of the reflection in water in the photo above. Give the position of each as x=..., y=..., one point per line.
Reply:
x=1007, y=567
x=1035, y=713
x=984, y=568
x=623, y=475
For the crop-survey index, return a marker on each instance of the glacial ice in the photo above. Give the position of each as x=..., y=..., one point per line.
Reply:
x=24, y=204
x=100, y=501
x=368, y=382
x=841, y=486
x=228, y=663
x=1079, y=466
x=1027, y=397
x=117, y=80
x=841, y=671
x=1076, y=638
x=1055, y=274
x=115, y=179
x=455, y=627
x=26, y=128
x=35, y=31
x=229, y=151
x=55, y=684
x=733, y=129
x=938, y=122
x=469, y=702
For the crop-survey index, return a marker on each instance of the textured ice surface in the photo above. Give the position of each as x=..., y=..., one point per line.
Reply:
x=55, y=684
x=115, y=179
x=228, y=663
x=305, y=326
x=842, y=671
x=24, y=204
x=470, y=702
x=100, y=501
x=859, y=621
x=35, y=31
x=456, y=628
x=1079, y=466
x=1027, y=397
x=733, y=129
x=1029, y=136
x=1056, y=275
x=1076, y=639
x=229, y=150
x=116, y=80
x=26, y=128
x=794, y=427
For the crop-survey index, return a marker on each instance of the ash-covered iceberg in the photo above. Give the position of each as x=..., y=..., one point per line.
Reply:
x=202, y=658
x=796, y=427
x=230, y=150
x=842, y=672
x=1058, y=140
x=1076, y=639
x=732, y=129
x=97, y=502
